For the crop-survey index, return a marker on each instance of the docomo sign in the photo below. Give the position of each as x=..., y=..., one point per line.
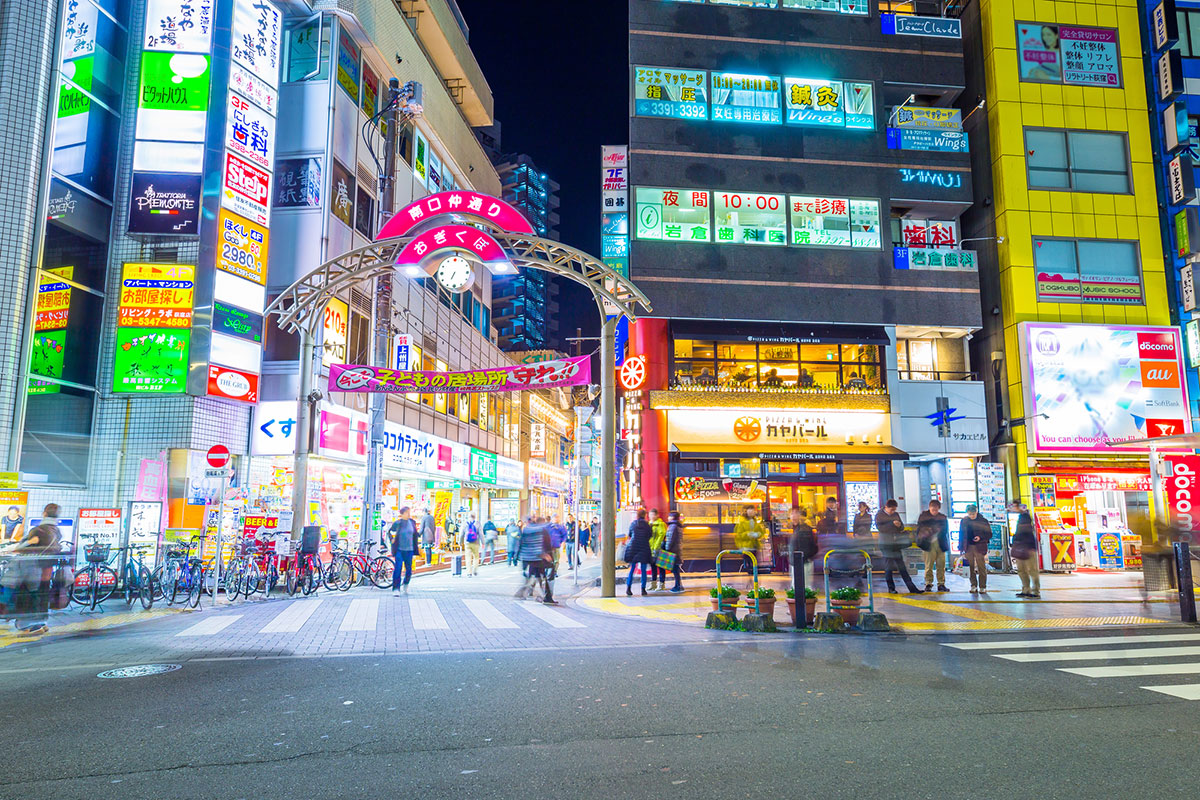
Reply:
x=1183, y=493
x=479, y=244
x=473, y=205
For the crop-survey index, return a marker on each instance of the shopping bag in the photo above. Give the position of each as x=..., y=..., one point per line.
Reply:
x=664, y=559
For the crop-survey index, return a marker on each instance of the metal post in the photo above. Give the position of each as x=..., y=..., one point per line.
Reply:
x=608, y=459
x=304, y=427
x=220, y=536
x=798, y=588
x=1187, y=592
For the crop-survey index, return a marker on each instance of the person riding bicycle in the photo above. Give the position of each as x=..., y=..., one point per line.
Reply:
x=26, y=583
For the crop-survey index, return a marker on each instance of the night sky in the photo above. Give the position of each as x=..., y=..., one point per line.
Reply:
x=559, y=76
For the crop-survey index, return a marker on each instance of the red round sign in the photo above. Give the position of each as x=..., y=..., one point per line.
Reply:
x=218, y=456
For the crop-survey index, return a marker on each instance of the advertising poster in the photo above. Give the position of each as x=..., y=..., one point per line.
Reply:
x=441, y=506
x=242, y=247
x=156, y=296
x=812, y=102
x=100, y=526
x=1062, y=552
x=1108, y=546
x=938, y=141
x=164, y=203
x=671, y=93
x=1039, y=55
x=746, y=98
x=1043, y=491
x=151, y=360
x=1183, y=495
x=232, y=384
x=1088, y=386
x=1068, y=54
x=719, y=490
x=145, y=517
x=14, y=505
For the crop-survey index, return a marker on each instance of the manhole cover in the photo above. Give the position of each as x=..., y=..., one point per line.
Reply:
x=139, y=671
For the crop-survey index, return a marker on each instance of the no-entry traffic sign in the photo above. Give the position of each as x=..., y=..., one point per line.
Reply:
x=218, y=456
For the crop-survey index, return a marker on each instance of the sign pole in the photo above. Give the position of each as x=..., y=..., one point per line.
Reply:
x=608, y=458
x=304, y=427
x=220, y=539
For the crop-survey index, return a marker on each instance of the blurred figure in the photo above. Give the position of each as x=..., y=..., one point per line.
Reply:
x=933, y=536
x=572, y=542
x=637, y=550
x=1023, y=549
x=862, y=522
x=512, y=542
x=658, y=535
x=974, y=534
x=594, y=538
x=746, y=535
x=404, y=546
x=558, y=535
x=841, y=566
x=892, y=541
x=428, y=535
x=584, y=536
x=537, y=557
x=26, y=583
x=803, y=541
x=674, y=545
x=490, y=535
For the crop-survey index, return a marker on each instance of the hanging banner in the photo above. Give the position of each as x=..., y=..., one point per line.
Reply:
x=573, y=371
x=1183, y=494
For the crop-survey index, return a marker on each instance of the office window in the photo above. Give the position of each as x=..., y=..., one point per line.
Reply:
x=1189, y=33
x=1087, y=271
x=1079, y=161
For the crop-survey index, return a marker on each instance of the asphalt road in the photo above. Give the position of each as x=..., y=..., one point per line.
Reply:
x=757, y=717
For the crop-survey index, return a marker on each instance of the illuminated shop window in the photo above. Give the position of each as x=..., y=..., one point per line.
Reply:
x=671, y=93
x=852, y=7
x=836, y=104
x=680, y=215
x=1087, y=271
x=746, y=98
x=744, y=218
x=834, y=222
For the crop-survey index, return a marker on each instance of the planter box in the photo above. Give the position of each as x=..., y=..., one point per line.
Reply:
x=848, y=610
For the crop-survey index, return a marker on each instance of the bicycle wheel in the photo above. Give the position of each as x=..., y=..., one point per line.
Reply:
x=310, y=574
x=292, y=581
x=145, y=588
x=341, y=573
x=80, y=588
x=272, y=577
x=106, y=584
x=156, y=584
x=129, y=578
x=381, y=572
x=179, y=585
x=195, y=585
x=233, y=579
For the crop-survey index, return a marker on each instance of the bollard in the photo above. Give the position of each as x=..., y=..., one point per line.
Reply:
x=798, y=589
x=1183, y=573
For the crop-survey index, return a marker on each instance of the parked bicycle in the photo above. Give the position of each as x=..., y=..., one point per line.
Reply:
x=96, y=582
x=305, y=575
x=137, y=579
x=180, y=577
x=350, y=569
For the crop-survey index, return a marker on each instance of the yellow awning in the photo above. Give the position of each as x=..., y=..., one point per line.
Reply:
x=799, y=452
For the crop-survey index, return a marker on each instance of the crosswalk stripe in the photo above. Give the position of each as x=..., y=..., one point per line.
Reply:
x=426, y=616
x=292, y=618
x=1134, y=670
x=552, y=617
x=1074, y=642
x=210, y=626
x=363, y=615
x=488, y=615
x=1184, y=691
x=1101, y=655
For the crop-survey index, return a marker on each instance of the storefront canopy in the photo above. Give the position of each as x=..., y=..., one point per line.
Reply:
x=805, y=453
x=772, y=332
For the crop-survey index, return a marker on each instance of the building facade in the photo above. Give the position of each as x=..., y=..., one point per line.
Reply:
x=797, y=176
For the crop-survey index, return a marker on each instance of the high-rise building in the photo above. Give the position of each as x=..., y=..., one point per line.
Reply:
x=797, y=176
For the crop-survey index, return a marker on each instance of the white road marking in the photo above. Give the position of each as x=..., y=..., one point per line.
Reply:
x=1078, y=641
x=292, y=618
x=363, y=615
x=554, y=618
x=1134, y=670
x=1101, y=655
x=426, y=616
x=210, y=626
x=1184, y=691
x=488, y=615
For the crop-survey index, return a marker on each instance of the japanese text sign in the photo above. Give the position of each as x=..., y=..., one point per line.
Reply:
x=562, y=372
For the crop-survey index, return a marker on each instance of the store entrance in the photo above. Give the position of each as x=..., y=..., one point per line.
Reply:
x=809, y=496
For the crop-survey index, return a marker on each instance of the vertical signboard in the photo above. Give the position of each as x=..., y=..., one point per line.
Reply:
x=614, y=208
x=154, y=328
x=1183, y=494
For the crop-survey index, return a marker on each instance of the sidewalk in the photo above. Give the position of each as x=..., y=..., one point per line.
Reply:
x=1079, y=600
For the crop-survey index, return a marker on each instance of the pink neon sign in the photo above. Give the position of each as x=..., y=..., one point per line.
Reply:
x=473, y=205
x=452, y=237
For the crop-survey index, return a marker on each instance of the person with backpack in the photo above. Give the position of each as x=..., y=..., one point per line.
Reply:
x=558, y=535
x=536, y=555
x=490, y=535
x=892, y=540
x=471, y=539
x=933, y=536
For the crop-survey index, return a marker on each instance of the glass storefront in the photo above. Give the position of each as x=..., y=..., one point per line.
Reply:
x=741, y=365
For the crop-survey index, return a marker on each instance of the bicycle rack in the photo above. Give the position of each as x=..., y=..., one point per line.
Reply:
x=753, y=563
x=825, y=569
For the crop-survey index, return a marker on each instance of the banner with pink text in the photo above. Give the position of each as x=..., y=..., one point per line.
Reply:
x=572, y=371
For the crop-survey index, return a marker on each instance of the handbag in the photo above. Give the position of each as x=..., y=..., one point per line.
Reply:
x=1020, y=552
x=664, y=559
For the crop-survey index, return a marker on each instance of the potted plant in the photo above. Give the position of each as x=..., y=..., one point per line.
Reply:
x=810, y=604
x=845, y=602
x=724, y=598
x=766, y=600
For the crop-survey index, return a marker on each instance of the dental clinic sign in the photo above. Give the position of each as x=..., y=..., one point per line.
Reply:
x=906, y=25
x=1183, y=493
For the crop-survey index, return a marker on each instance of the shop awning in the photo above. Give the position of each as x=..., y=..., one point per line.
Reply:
x=791, y=332
x=882, y=452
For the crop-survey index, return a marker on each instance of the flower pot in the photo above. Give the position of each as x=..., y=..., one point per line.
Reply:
x=766, y=605
x=727, y=605
x=791, y=601
x=848, y=610
x=810, y=610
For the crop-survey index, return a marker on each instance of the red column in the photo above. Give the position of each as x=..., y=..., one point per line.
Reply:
x=651, y=339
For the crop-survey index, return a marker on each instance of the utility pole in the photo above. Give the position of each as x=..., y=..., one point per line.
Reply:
x=372, y=495
x=608, y=458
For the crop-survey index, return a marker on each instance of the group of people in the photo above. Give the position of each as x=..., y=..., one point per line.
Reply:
x=25, y=584
x=656, y=546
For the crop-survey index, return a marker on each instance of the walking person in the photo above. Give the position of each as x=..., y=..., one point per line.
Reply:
x=572, y=542
x=26, y=583
x=558, y=535
x=490, y=535
x=471, y=540
x=892, y=540
x=862, y=522
x=674, y=544
x=658, y=535
x=404, y=546
x=585, y=538
x=536, y=555
x=637, y=550
x=428, y=535
x=746, y=534
x=1023, y=549
x=974, y=534
x=512, y=533
x=803, y=541
x=594, y=538
x=933, y=536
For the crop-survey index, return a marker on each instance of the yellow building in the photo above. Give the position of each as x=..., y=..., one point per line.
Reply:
x=1056, y=108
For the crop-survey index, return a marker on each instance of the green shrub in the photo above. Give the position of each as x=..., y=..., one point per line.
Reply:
x=847, y=593
x=724, y=592
x=762, y=593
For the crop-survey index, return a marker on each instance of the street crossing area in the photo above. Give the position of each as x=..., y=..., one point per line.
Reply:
x=1155, y=662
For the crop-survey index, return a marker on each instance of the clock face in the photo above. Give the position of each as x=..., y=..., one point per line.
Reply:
x=455, y=274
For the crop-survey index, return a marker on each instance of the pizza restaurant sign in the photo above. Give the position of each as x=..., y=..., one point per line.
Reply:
x=771, y=428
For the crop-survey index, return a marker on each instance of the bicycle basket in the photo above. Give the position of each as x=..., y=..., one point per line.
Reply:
x=97, y=553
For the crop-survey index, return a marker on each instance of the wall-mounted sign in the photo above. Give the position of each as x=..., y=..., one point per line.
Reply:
x=829, y=103
x=940, y=141
x=150, y=360
x=537, y=439
x=937, y=27
x=719, y=490
x=1088, y=386
x=164, y=203
x=919, y=117
x=335, y=327
x=1181, y=184
x=1187, y=287
x=156, y=296
x=249, y=131
x=234, y=321
x=936, y=178
x=767, y=429
x=241, y=247
x=1183, y=493
x=1068, y=54
x=173, y=97
x=1170, y=75
x=1165, y=25
x=1191, y=332
x=178, y=26
x=934, y=258
x=745, y=98
x=402, y=351
x=572, y=371
x=298, y=183
x=483, y=466
x=1187, y=232
x=246, y=190
x=480, y=207
x=232, y=384
x=671, y=93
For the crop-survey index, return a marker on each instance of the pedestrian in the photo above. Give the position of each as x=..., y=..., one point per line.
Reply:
x=585, y=538
x=845, y=562
x=26, y=582
x=471, y=540
x=862, y=522
x=674, y=545
x=746, y=534
x=512, y=532
x=490, y=535
x=974, y=533
x=428, y=535
x=537, y=557
x=572, y=542
x=404, y=546
x=637, y=550
x=933, y=536
x=594, y=538
x=892, y=540
x=451, y=527
x=803, y=541
x=1023, y=549
x=558, y=535
x=658, y=535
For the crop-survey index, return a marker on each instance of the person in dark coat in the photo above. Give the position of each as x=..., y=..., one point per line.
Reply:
x=892, y=539
x=803, y=540
x=536, y=554
x=933, y=536
x=974, y=533
x=674, y=544
x=1023, y=549
x=862, y=522
x=404, y=544
x=637, y=550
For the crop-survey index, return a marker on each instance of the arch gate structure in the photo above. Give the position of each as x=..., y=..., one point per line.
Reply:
x=411, y=245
